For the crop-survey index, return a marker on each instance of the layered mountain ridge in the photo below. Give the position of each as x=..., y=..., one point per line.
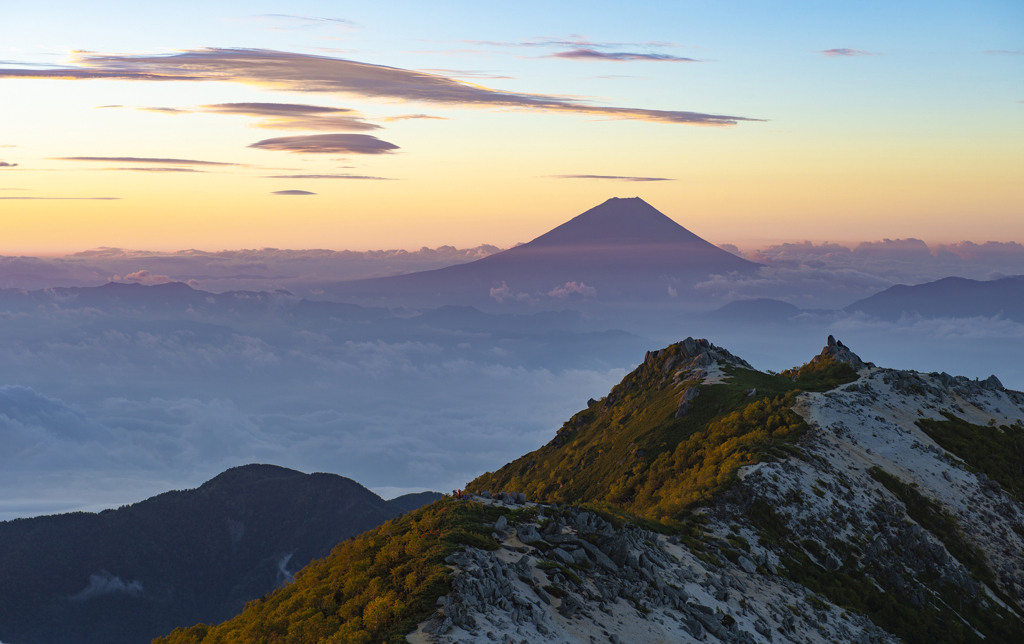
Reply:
x=703, y=500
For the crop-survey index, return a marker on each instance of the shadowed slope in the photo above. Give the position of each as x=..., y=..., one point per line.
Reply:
x=128, y=575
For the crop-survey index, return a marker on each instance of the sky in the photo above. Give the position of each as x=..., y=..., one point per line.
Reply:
x=214, y=125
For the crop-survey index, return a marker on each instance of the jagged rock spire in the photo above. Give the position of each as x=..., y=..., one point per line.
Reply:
x=840, y=352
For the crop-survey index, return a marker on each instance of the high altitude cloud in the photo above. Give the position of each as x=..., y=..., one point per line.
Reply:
x=290, y=116
x=843, y=52
x=619, y=56
x=328, y=176
x=607, y=177
x=301, y=22
x=302, y=72
x=152, y=160
x=280, y=116
x=410, y=117
x=293, y=193
x=163, y=170
x=327, y=144
x=61, y=198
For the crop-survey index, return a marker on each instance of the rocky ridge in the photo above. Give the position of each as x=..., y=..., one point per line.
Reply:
x=868, y=512
x=571, y=576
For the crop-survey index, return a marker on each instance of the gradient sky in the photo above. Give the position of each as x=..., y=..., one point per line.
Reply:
x=864, y=121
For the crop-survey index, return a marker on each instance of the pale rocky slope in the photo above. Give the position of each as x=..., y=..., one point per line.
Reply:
x=637, y=586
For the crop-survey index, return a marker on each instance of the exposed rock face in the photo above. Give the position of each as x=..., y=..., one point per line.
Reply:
x=837, y=350
x=625, y=585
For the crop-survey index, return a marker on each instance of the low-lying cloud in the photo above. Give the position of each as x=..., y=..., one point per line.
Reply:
x=105, y=583
x=293, y=193
x=327, y=144
x=573, y=288
x=5, y=164
x=307, y=73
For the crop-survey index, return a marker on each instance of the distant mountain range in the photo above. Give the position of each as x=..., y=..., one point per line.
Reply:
x=623, y=250
x=125, y=576
x=952, y=297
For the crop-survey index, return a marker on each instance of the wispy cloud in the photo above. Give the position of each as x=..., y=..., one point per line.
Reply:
x=571, y=41
x=60, y=198
x=151, y=160
x=164, y=110
x=327, y=144
x=4, y=164
x=287, y=21
x=308, y=73
x=280, y=116
x=293, y=193
x=606, y=177
x=290, y=116
x=463, y=73
x=409, y=117
x=845, y=53
x=327, y=176
x=143, y=169
x=1005, y=52
x=619, y=56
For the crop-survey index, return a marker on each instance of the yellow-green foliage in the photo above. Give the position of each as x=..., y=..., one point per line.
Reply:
x=827, y=373
x=372, y=589
x=630, y=451
x=708, y=459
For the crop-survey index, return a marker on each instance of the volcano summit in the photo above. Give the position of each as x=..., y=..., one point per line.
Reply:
x=623, y=250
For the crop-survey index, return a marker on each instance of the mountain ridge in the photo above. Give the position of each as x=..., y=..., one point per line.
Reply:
x=837, y=501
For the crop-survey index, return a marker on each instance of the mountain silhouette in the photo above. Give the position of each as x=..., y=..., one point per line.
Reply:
x=125, y=576
x=951, y=297
x=623, y=250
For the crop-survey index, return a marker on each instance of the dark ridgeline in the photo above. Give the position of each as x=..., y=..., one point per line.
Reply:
x=182, y=557
x=952, y=297
x=624, y=249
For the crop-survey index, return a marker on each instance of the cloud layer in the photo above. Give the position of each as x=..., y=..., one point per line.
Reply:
x=327, y=144
x=302, y=72
x=619, y=56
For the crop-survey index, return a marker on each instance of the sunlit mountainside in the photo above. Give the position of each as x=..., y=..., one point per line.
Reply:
x=703, y=500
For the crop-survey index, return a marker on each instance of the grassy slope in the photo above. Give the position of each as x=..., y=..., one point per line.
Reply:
x=630, y=451
x=998, y=452
x=372, y=589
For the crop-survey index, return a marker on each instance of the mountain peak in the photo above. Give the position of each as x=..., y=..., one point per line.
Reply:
x=629, y=220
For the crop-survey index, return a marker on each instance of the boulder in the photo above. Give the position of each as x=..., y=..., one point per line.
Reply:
x=528, y=534
x=684, y=401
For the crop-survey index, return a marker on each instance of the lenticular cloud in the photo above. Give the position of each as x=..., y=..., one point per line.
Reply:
x=306, y=73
